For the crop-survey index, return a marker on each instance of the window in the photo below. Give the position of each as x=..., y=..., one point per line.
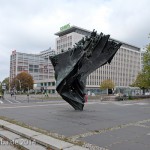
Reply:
x=36, y=70
x=30, y=66
x=36, y=66
x=30, y=70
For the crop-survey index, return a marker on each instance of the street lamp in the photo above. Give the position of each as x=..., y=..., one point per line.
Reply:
x=3, y=87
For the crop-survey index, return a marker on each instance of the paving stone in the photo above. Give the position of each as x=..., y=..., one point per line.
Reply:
x=28, y=144
x=22, y=130
x=76, y=148
x=41, y=138
x=7, y=147
x=2, y=122
x=9, y=135
x=16, y=139
x=4, y=145
x=55, y=143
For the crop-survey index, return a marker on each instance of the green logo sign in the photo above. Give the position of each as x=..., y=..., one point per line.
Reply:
x=65, y=27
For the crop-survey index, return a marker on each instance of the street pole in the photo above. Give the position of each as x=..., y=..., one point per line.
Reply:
x=3, y=89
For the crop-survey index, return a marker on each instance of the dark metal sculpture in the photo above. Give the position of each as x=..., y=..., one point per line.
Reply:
x=73, y=66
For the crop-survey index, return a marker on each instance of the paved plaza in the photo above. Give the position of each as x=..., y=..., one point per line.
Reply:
x=108, y=125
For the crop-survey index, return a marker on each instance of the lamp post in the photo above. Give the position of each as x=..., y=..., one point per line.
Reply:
x=3, y=87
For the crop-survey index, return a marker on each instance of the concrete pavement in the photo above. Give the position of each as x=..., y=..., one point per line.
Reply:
x=5, y=145
x=102, y=125
x=32, y=140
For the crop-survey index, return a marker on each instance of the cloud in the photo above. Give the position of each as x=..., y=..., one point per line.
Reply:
x=129, y=21
x=30, y=25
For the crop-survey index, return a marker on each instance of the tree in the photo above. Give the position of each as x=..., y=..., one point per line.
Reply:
x=143, y=78
x=141, y=81
x=107, y=84
x=22, y=82
x=6, y=81
x=146, y=67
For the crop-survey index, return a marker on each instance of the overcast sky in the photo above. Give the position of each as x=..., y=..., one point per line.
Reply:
x=29, y=25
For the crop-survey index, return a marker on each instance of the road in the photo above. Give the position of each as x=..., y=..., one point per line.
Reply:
x=102, y=125
x=16, y=99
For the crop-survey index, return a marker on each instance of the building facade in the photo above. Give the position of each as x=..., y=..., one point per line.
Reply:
x=122, y=70
x=142, y=57
x=38, y=65
x=68, y=38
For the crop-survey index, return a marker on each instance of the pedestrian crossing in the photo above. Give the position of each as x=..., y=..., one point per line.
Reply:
x=9, y=101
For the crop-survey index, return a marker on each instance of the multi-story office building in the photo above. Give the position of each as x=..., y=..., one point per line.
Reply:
x=122, y=70
x=67, y=38
x=142, y=55
x=38, y=65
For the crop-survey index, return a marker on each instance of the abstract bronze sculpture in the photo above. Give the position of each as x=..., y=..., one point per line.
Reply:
x=73, y=66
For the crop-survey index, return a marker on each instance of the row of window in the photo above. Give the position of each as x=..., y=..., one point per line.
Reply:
x=118, y=83
x=45, y=84
x=42, y=77
x=64, y=39
x=64, y=45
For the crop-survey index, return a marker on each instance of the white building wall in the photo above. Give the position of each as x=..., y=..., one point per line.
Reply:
x=38, y=65
x=122, y=70
x=67, y=41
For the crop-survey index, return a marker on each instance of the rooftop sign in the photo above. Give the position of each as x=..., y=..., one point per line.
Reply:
x=65, y=27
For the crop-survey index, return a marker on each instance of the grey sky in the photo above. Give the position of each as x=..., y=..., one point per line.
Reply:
x=29, y=25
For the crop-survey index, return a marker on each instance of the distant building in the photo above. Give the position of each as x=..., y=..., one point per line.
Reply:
x=38, y=65
x=142, y=54
x=67, y=38
x=122, y=70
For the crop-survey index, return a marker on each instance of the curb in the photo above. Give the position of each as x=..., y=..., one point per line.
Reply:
x=39, y=138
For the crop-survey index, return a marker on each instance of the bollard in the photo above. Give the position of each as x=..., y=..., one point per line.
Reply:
x=28, y=97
